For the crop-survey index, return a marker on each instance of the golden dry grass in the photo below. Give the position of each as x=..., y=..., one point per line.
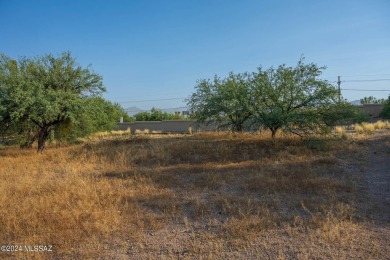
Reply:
x=358, y=128
x=380, y=124
x=219, y=193
x=340, y=130
x=368, y=127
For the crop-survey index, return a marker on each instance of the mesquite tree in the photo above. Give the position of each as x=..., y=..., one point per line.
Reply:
x=292, y=98
x=224, y=101
x=42, y=92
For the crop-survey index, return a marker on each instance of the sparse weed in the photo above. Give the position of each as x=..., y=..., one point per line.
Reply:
x=380, y=124
x=340, y=130
x=358, y=128
x=142, y=132
x=111, y=134
x=365, y=127
x=368, y=128
x=318, y=144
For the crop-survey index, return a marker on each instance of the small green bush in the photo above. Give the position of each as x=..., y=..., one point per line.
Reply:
x=386, y=109
x=317, y=144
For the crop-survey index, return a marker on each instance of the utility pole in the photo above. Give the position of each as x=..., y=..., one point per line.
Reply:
x=338, y=83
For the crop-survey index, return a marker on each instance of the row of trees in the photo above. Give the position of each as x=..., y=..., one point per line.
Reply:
x=45, y=96
x=290, y=98
x=372, y=100
x=50, y=96
x=157, y=115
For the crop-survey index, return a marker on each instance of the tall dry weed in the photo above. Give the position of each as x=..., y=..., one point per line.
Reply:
x=53, y=199
x=368, y=127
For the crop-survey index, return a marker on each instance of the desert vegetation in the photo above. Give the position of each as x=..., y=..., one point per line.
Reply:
x=204, y=195
x=47, y=97
x=283, y=99
x=157, y=115
x=100, y=193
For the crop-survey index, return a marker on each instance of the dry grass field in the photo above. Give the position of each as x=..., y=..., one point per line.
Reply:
x=199, y=196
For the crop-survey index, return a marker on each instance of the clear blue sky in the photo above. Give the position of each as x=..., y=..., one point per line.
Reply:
x=153, y=50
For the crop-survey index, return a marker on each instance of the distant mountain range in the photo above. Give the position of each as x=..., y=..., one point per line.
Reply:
x=135, y=110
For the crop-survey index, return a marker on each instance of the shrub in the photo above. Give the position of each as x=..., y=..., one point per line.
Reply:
x=316, y=144
x=380, y=125
x=368, y=128
x=358, y=129
x=340, y=130
x=386, y=109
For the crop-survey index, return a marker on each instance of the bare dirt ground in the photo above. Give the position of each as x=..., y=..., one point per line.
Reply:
x=376, y=180
x=374, y=175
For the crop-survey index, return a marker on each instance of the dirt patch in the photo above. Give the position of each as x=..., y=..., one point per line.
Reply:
x=376, y=179
x=371, y=168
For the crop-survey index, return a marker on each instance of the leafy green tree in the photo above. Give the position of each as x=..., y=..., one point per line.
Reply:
x=224, y=101
x=291, y=98
x=127, y=118
x=43, y=92
x=386, y=109
x=98, y=115
x=372, y=100
x=156, y=115
x=343, y=113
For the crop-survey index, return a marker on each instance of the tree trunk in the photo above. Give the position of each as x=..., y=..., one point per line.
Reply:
x=42, y=137
x=274, y=133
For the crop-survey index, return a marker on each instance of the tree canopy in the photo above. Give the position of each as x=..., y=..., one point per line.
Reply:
x=290, y=98
x=386, y=109
x=97, y=115
x=224, y=101
x=372, y=100
x=156, y=115
x=42, y=93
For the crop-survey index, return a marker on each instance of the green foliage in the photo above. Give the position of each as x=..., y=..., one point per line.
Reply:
x=372, y=100
x=225, y=101
x=127, y=118
x=291, y=99
x=157, y=115
x=386, y=109
x=37, y=94
x=98, y=115
x=343, y=113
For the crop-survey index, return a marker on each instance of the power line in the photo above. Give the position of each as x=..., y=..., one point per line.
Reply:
x=357, y=76
x=347, y=89
x=367, y=75
x=354, y=89
x=365, y=80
